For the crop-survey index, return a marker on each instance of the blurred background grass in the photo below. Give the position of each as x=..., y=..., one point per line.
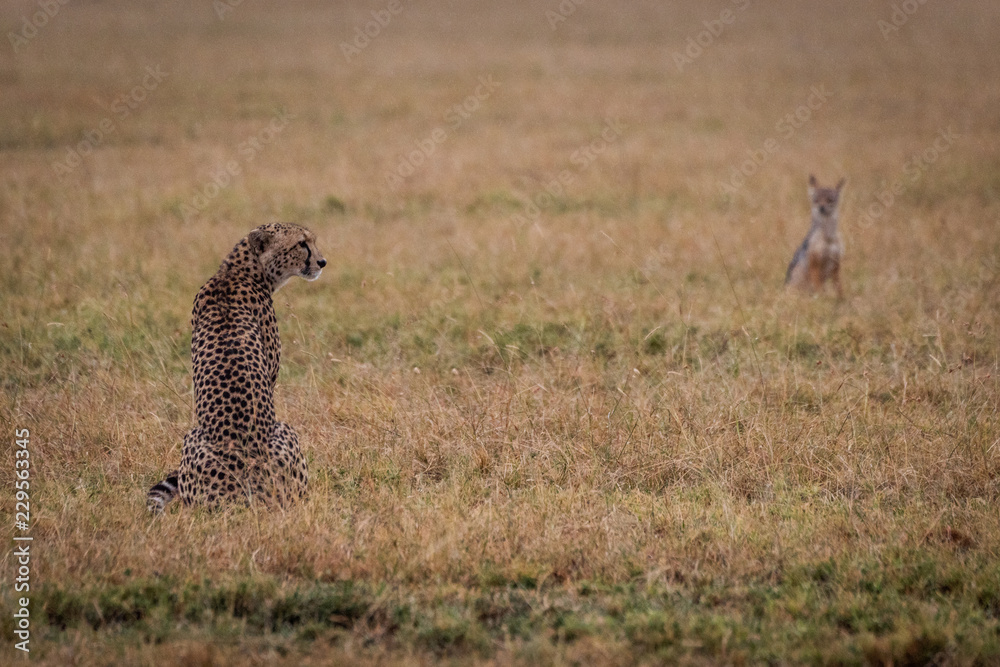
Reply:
x=602, y=433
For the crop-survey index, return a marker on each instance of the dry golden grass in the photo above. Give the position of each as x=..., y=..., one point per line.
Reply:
x=602, y=434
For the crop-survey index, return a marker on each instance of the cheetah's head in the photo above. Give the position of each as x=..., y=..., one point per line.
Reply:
x=285, y=251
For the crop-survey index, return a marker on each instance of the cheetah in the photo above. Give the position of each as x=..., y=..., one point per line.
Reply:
x=818, y=258
x=237, y=450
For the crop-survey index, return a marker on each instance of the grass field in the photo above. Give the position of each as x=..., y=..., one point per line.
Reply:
x=557, y=407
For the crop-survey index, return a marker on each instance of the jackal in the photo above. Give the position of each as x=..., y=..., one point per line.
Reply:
x=818, y=258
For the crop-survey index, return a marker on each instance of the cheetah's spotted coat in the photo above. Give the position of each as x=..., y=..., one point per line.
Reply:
x=237, y=450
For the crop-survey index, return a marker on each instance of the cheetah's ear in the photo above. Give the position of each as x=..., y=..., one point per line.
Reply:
x=259, y=239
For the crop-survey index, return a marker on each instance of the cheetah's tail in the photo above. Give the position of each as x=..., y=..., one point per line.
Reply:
x=162, y=493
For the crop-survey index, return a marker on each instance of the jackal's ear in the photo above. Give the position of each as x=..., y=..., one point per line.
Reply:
x=812, y=185
x=840, y=185
x=259, y=239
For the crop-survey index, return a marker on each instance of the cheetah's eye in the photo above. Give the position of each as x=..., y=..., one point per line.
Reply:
x=303, y=244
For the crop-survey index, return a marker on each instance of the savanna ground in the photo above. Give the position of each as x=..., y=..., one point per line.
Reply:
x=598, y=432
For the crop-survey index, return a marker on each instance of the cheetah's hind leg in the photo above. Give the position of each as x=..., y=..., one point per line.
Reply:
x=289, y=473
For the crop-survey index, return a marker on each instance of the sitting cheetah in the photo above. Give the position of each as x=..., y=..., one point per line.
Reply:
x=237, y=450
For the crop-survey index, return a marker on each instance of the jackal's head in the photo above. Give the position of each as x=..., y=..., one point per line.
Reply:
x=824, y=200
